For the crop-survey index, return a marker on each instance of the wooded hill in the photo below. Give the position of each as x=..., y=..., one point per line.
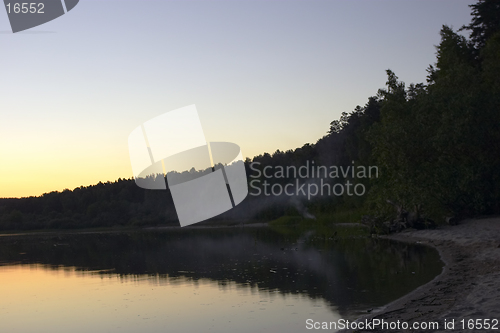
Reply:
x=436, y=144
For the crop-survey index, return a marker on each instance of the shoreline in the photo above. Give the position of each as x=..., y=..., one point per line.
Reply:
x=468, y=286
x=126, y=229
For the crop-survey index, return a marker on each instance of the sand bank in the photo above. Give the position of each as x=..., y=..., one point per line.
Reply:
x=469, y=286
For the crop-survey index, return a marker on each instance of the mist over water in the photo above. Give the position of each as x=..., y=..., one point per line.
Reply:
x=200, y=279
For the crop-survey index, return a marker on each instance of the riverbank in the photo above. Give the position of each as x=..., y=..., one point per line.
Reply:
x=467, y=288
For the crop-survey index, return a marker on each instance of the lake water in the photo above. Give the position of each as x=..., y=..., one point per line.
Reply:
x=200, y=280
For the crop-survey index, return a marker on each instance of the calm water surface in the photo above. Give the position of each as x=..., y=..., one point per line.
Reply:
x=199, y=280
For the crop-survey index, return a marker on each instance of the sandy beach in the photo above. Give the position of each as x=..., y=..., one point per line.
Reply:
x=468, y=287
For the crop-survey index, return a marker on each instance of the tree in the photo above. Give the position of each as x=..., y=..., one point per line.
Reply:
x=485, y=22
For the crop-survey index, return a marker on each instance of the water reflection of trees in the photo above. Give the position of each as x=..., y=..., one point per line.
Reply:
x=348, y=273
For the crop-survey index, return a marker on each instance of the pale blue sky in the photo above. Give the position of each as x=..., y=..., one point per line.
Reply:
x=266, y=75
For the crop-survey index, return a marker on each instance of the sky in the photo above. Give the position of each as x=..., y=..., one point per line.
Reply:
x=265, y=75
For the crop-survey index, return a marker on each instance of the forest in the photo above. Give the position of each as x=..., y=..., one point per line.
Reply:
x=436, y=146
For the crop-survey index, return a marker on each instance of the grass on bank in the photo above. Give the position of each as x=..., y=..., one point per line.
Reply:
x=339, y=224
